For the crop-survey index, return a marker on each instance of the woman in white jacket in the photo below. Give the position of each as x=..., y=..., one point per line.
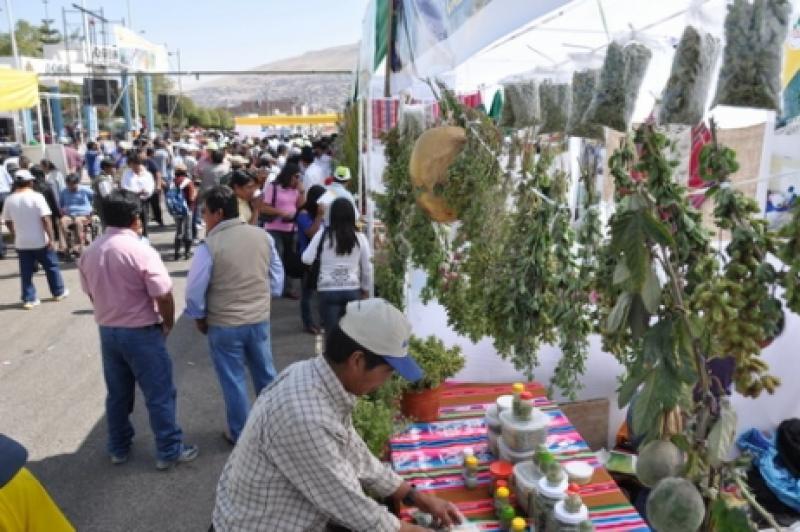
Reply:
x=345, y=266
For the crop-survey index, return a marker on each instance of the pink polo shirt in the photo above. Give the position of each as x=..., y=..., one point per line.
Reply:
x=123, y=275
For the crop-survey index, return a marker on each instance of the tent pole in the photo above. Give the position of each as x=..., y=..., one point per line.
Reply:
x=387, y=82
x=41, y=125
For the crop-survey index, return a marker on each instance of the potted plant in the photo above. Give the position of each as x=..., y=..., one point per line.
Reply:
x=421, y=399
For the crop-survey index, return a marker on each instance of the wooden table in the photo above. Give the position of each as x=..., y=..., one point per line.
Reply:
x=429, y=455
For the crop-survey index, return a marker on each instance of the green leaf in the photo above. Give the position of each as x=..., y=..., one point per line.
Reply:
x=723, y=433
x=638, y=317
x=659, y=342
x=727, y=518
x=629, y=388
x=647, y=409
x=657, y=230
x=621, y=273
x=619, y=312
x=651, y=292
x=628, y=237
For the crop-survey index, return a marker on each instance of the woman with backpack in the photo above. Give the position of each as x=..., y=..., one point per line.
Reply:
x=280, y=201
x=180, y=199
x=345, y=265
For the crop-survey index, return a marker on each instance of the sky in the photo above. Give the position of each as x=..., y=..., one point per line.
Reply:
x=221, y=35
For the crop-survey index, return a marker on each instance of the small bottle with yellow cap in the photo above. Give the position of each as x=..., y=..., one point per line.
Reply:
x=518, y=524
x=470, y=471
x=516, y=392
x=501, y=498
x=507, y=516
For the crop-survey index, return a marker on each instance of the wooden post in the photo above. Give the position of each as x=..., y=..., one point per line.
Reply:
x=387, y=82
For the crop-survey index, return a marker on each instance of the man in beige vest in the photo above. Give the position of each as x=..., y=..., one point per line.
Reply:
x=233, y=275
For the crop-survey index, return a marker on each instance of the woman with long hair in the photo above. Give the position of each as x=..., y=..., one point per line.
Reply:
x=309, y=222
x=280, y=201
x=345, y=265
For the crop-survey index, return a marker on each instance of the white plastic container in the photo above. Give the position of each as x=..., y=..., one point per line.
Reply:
x=564, y=521
x=547, y=497
x=524, y=436
x=579, y=472
x=493, y=419
x=510, y=455
x=504, y=403
x=526, y=479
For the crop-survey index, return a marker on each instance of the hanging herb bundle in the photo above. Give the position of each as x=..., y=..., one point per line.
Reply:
x=583, y=88
x=346, y=147
x=522, y=101
x=755, y=33
x=554, y=99
x=575, y=316
x=789, y=253
x=618, y=89
x=660, y=276
x=686, y=92
x=520, y=296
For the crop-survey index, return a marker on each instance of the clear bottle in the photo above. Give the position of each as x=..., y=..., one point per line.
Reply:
x=502, y=498
x=552, y=488
x=507, y=516
x=470, y=471
x=517, y=389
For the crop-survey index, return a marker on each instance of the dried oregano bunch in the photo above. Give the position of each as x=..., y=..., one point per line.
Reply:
x=754, y=37
x=583, y=87
x=522, y=99
x=554, y=100
x=620, y=80
x=686, y=92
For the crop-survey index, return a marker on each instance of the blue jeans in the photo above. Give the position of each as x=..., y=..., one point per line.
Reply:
x=231, y=348
x=3, y=196
x=132, y=355
x=49, y=261
x=332, y=304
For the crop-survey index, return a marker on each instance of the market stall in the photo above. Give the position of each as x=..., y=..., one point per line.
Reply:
x=580, y=198
x=21, y=91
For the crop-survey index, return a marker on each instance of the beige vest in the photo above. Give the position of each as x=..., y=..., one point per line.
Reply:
x=238, y=292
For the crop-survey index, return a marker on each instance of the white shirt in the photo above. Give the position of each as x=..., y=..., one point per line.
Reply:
x=341, y=272
x=335, y=191
x=5, y=180
x=142, y=183
x=26, y=209
x=314, y=175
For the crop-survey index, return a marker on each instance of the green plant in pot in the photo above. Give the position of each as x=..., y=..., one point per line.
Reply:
x=421, y=399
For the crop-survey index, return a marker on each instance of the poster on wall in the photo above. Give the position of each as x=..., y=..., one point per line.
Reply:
x=790, y=78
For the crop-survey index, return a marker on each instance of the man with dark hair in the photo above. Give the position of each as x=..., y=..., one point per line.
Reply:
x=131, y=292
x=29, y=219
x=92, y=157
x=228, y=290
x=154, y=200
x=300, y=464
x=139, y=181
x=212, y=173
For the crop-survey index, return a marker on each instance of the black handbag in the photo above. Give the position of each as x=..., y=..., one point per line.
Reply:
x=312, y=274
x=272, y=217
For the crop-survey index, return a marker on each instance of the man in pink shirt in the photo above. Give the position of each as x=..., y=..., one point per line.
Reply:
x=133, y=306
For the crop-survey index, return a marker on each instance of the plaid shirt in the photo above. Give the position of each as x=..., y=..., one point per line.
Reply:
x=300, y=464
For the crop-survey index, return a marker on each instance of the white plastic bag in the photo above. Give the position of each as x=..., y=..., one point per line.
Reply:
x=522, y=101
x=554, y=101
x=585, y=77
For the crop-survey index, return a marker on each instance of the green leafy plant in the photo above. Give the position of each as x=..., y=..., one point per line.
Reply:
x=437, y=362
x=670, y=301
x=346, y=146
x=376, y=417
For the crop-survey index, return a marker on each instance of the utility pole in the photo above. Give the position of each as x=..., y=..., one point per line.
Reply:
x=12, y=31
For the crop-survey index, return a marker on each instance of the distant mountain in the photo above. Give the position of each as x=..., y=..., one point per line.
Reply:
x=320, y=92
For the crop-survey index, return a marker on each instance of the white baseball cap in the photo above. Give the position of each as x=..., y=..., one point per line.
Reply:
x=382, y=329
x=23, y=175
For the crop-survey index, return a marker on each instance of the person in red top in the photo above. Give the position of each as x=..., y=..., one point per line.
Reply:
x=183, y=224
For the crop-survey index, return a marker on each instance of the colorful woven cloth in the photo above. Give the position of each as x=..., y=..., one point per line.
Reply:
x=384, y=115
x=429, y=455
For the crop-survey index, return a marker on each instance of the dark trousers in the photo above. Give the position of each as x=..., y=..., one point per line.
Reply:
x=332, y=304
x=144, y=215
x=155, y=204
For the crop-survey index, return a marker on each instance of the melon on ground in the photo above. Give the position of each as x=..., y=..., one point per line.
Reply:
x=675, y=505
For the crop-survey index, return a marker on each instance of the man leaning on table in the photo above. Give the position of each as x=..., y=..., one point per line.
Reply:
x=299, y=464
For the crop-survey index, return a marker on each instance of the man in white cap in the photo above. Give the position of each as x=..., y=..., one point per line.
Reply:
x=299, y=463
x=29, y=219
x=338, y=189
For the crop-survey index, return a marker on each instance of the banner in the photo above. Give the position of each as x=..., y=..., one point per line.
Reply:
x=20, y=89
x=139, y=54
x=790, y=79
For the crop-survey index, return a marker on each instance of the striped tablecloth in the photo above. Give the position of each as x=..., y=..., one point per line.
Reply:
x=429, y=455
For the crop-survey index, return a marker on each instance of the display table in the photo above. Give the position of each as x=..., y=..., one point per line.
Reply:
x=429, y=455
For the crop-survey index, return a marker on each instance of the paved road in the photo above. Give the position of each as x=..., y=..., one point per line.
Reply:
x=52, y=395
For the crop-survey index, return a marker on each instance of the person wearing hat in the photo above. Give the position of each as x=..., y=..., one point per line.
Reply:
x=102, y=186
x=29, y=219
x=299, y=464
x=338, y=189
x=24, y=503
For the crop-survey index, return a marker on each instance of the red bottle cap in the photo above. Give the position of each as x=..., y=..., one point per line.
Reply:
x=574, y=489
x=501, y=469
x=527, y=396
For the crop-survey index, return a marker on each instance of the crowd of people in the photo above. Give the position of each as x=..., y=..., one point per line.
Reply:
x=259, y=219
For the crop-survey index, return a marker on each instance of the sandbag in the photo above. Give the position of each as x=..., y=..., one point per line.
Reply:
x=433, y=153
x=436, y=207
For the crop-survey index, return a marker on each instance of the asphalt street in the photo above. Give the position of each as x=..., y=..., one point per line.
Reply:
x=52, y=401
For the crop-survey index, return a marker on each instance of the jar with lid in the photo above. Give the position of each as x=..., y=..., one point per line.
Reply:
x=569, y=513
x=499, y=471
x=524, y=435
x=470, y=471
x=517, y=389
x=502, y=497
x=552, y=488
x=507, y=516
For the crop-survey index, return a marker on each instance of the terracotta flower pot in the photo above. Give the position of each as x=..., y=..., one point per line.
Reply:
x=422, y=406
